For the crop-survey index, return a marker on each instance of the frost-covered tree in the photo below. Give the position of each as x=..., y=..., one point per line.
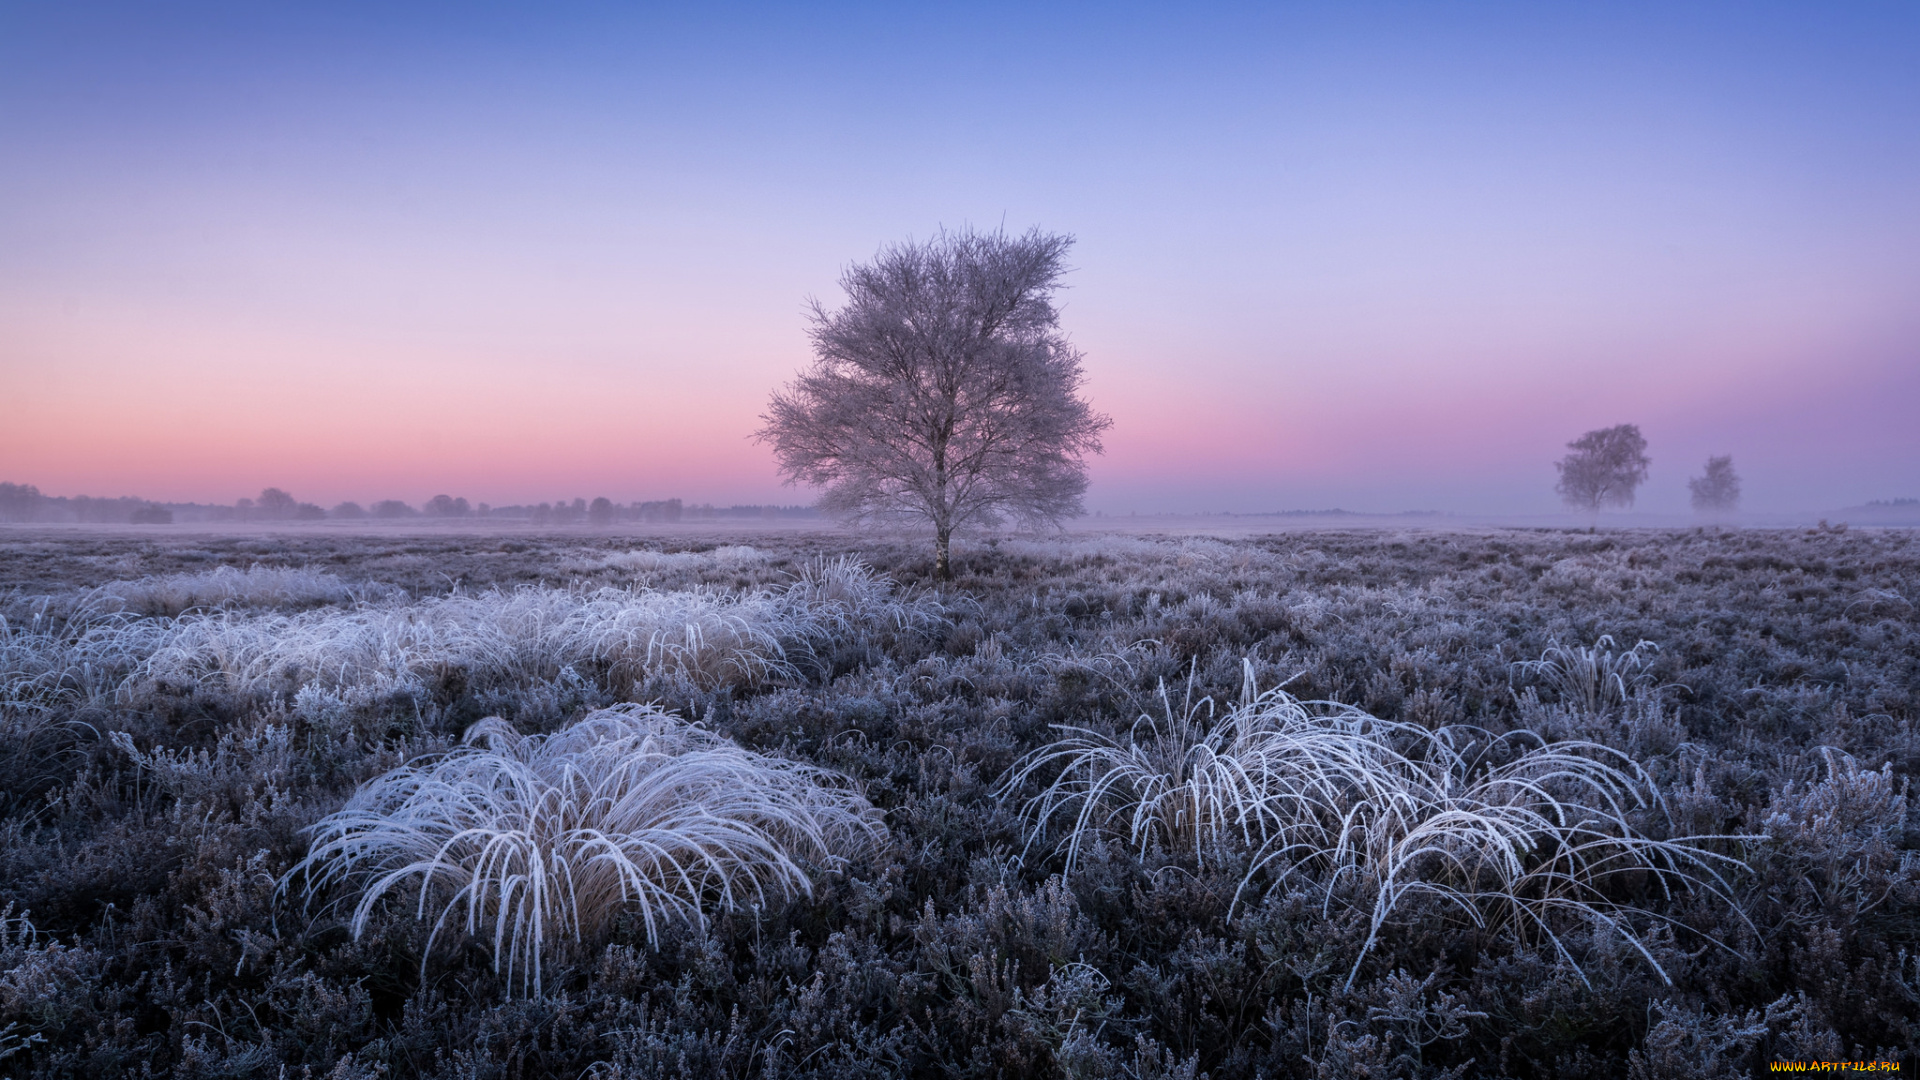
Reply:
x=1718, y=490
x=1603, y=469
x=943, y=391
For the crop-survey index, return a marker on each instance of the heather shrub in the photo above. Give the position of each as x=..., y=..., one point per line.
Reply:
x=162, y=766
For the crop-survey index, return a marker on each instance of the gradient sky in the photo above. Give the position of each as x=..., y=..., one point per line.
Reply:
x=1374, y=256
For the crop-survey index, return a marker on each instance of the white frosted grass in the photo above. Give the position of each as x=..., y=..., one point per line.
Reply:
x=1592, y=679
x=530, y=635
x=1330, y=794
x=77, y=657
x=525, y=841
x=257, y=586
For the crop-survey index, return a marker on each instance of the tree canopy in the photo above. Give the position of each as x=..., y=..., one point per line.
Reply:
x=1604, y=468
x=943, y=391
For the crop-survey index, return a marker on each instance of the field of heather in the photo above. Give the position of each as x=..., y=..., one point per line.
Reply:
x=1314, y=804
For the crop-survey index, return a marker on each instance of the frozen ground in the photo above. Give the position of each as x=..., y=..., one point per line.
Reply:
x=177, y=709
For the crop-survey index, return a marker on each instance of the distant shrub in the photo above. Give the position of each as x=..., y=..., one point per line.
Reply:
x=525, y=841
x=348, y=511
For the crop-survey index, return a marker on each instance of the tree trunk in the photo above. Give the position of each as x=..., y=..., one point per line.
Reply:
x=942, y=564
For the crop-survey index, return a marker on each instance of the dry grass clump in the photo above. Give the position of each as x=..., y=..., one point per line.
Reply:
x=70, y=655
x=709, y=636
x=222, y=587
x=1518, y=835
x=523, y=841
x=1592, y=679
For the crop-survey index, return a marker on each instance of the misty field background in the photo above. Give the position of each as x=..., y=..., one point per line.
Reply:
x=1721, y=866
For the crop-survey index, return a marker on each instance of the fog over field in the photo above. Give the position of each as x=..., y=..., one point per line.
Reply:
x=1210, y=542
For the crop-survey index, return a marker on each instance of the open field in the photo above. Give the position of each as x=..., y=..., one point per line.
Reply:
x=1319, y=803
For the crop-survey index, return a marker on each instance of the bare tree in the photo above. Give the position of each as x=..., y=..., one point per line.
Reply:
x=1603, y=469
x=1718, y=491
x=943, y=391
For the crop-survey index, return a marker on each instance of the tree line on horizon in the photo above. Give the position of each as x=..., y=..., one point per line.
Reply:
x=22, y=503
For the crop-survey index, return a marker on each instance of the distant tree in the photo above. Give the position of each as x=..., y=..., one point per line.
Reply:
x=1718, y=490
x=1604, y=468
x=447, y=506
x=943, y=391
x=392, y=508
x=243, y=508
x=348, y=511
x=18, y=502
x=601, y=511
x=152, y=515
x=276, y=504
x=308, y=512
x=542, y=514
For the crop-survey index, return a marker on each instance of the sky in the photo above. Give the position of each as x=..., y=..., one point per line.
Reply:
x=1376, y=256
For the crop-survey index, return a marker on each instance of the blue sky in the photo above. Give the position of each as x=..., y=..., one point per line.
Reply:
x=1377, y=256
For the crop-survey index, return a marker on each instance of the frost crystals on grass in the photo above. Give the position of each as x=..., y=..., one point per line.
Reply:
x=525, y=840
x=1518, y=835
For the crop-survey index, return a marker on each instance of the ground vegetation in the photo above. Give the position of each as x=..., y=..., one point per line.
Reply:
x=1324, y=803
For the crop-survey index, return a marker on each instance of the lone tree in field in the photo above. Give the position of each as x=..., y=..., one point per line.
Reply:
x=1603, y=469
x=943, y=391
x=1717, y=492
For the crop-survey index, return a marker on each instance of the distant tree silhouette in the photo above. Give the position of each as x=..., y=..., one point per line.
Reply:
x=18, y=502
x=1606, y=465
x=276, y=504
x=392, y=508
x=348, y=511
x=152, y=515
x=1718, y=490
x=543, y=514
x=447, y=506
x=661, y=510
x=601, y=512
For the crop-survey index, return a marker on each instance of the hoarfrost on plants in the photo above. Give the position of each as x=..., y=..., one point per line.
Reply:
x=525, y=840
x=1620, y=803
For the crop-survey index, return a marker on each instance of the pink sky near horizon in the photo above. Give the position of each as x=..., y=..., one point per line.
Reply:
x=1323, y=259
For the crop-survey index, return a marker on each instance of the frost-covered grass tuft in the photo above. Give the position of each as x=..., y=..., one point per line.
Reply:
x=224, y=587
x=1592, y=679
x=1518, y=835
x=524, y=841
x=711, y=637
